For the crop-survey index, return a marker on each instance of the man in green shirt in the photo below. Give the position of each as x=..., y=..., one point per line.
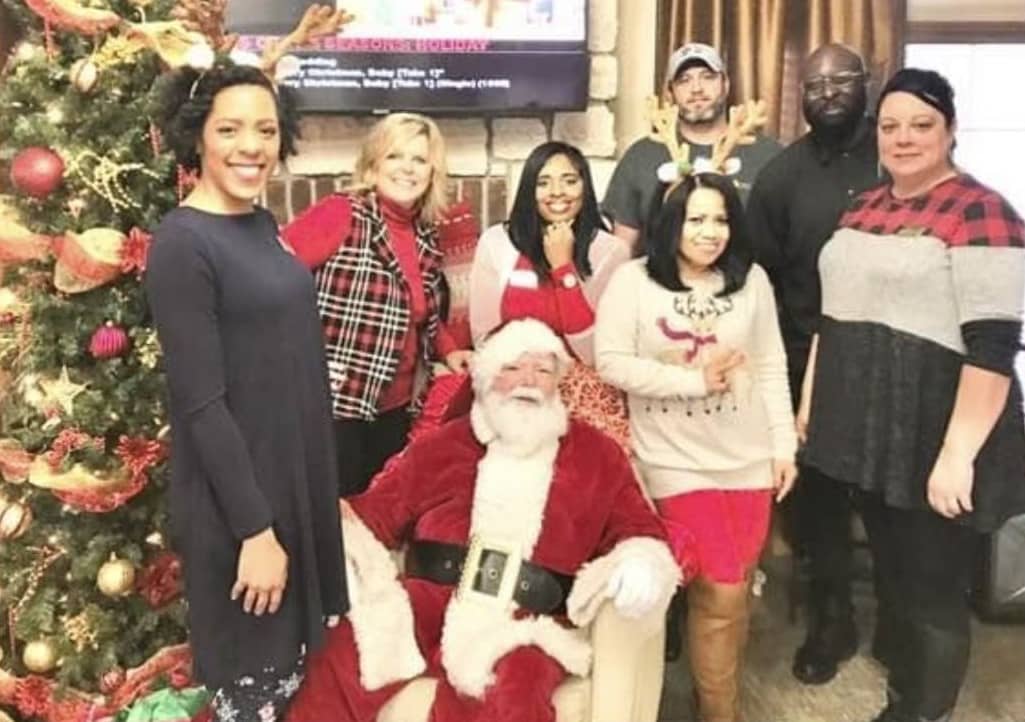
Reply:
x=697, y=81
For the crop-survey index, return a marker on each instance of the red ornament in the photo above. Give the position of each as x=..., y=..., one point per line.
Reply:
x=108, y=341
x=161, y=580
x=112, y=679
x=139, y=453
x=37, y=171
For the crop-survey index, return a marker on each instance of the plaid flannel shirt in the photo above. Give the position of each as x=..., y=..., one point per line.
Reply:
x=363, y=298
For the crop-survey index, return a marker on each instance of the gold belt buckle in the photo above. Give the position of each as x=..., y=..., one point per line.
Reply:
x=490, y=572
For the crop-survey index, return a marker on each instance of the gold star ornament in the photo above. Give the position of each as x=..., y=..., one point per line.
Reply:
x=60, y=393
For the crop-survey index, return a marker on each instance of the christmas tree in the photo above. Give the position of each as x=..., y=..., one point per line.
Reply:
x=90, y=608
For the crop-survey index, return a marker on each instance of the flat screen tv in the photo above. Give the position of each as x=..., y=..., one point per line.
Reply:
x=446, y=56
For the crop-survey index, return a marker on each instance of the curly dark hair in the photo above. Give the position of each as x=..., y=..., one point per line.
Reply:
x=665, y=226
x=525, y=226
x=184, y=99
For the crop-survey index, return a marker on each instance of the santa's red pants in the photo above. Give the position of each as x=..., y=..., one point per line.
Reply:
x=525, y=679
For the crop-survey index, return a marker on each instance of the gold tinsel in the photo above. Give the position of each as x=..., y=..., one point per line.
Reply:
x=105, y=177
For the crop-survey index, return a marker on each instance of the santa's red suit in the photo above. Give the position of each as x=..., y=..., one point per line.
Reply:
x=575, y=508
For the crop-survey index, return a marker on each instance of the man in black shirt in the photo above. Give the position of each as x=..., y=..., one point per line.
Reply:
x=794, y=207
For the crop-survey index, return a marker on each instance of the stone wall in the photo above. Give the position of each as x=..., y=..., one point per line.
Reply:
x=485, y=154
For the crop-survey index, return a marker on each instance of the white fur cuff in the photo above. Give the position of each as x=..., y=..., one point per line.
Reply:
x=381, y=614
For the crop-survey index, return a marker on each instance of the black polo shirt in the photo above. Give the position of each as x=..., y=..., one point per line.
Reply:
x=794, y=206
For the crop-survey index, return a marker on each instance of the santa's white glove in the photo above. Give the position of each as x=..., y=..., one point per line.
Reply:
x=633, y=587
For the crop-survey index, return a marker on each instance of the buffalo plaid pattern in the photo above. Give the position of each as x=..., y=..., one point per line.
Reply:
x=960, y=212
x=363, y=299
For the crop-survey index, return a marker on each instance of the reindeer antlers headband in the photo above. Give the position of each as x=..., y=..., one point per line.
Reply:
x=207, y=18
x=744, y=121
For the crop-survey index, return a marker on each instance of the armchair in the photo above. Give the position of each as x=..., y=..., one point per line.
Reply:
x=625, y=683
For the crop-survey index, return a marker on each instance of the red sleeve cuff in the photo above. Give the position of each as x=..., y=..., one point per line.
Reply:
x=318, y=232
x=574, y=310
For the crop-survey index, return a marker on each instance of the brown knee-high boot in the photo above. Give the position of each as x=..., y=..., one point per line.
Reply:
x=717, y=622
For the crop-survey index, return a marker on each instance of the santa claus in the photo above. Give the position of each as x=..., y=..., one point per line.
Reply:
x=517, y=524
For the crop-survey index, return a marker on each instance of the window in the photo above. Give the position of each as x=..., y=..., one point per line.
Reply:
x=990, y=108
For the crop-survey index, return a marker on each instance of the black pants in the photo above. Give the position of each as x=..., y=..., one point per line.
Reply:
x=923, y=565
x=817, y=523
x=364, y=446
x=820, y=528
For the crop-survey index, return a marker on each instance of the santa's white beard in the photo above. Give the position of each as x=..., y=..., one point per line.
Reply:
x=522, y=422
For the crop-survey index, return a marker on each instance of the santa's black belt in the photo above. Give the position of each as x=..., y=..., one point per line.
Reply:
x=536, y=589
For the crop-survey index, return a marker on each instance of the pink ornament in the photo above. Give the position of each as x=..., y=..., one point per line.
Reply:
x=108, y=341
x=37, y=171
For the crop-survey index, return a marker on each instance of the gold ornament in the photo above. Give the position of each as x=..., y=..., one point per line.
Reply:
x=118, y=50
x=15, y=519
x=84, y=74
x=147, y=348
x=26, y=52
x=15, y=462
x=60, y=393
x=116, y=577
x=80, y=632
x=55, y=115
x=40, y=656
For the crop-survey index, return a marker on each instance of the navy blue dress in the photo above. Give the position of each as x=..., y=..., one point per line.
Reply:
x=251, y=434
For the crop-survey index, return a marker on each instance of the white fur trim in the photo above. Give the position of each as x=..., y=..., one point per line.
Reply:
x=509, y=501
x=476, y=636
x=590, y=588
x=516, y=338
x=381, y=614
x=510, y=495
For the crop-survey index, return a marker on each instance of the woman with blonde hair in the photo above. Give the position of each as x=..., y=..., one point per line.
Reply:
x=380, y=289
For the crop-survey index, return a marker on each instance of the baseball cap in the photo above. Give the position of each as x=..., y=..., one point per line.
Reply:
x=694, y=52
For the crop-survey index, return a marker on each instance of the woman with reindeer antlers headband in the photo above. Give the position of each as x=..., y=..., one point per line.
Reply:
x=690, y=333
x=253, y=494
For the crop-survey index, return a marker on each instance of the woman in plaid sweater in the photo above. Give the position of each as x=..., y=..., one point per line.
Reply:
x=380, y=289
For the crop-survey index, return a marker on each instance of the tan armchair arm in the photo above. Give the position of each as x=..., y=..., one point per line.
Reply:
x=626, y=679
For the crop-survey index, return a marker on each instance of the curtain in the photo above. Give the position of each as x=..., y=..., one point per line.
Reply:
x=764, y=43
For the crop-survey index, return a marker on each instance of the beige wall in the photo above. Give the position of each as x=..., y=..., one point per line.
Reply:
x=966, y=10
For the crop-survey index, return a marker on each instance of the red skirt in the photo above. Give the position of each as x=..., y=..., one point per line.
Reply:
x=721, y=532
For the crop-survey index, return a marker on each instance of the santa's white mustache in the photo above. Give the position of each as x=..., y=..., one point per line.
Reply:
x=526, y=393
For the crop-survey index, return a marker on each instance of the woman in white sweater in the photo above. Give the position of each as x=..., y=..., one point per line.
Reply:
x=690, y=333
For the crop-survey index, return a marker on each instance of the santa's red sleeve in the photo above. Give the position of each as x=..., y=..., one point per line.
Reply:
x=316, y=233
x=387, y=506
x=632, y=515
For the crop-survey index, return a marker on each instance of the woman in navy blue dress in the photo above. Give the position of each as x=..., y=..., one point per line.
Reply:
x=253, y=494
